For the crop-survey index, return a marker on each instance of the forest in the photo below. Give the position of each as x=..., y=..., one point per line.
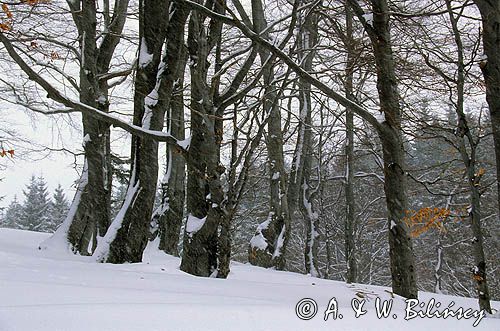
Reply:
x=351, y=140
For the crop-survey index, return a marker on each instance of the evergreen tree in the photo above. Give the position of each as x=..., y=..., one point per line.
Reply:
x=13, y=215
x=36, y=206
x=58, y=209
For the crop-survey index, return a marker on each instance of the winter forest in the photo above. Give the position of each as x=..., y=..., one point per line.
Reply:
x=348, y=140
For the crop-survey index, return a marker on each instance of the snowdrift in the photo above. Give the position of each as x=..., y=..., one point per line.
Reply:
x=49, y=291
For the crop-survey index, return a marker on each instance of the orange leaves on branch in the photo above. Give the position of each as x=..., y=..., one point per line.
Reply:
x=424, y=219
x=9, y=152
x=477, y=278
x=34, y=2
x=479, y=174
x=54, y=55
x=6, y=25
x=6, y=10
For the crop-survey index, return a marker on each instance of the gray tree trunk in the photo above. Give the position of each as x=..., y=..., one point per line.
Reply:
x=171, y=211
x=90, y=210
x=205, y=194
x=490, y=66
x=307, y=39
x=350, y=224
x=272, y=235
x=467, y=148
x=154, y=84
x=404, y=280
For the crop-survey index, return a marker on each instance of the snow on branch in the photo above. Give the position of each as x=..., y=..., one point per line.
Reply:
x=54, y=94
x=258, y=39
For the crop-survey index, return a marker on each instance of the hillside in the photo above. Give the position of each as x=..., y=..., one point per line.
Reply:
x=39, y=291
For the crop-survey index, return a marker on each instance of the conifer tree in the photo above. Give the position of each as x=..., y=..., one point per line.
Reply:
x=13, y=215
x=58, y=209
x=35, y=216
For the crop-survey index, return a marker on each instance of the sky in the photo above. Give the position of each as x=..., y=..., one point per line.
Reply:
x=29, y=159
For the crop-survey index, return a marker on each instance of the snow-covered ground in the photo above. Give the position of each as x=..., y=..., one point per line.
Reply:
x=42, y=291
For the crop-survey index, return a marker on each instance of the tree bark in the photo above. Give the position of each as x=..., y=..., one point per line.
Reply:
x=171, y=210
x=307, y=39
x=403, y=275
x=490, y=66
x=205, y=194
x=350, y=223
x=90, y=211
x=273, y=234
x=154, y=84
x=469, y=159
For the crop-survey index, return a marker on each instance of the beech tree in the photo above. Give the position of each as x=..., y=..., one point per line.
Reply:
x=287, y=132
x=156, y=74
x=490, y=66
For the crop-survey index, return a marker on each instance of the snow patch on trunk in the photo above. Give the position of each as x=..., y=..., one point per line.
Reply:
x=185, y=143
x=280, y=242
x=258, y=241
x=368, y=18
x=102, y=251
x=380, y=116
x=58, y=242
x=194, y=224
x=393, y=224
x=145, y=57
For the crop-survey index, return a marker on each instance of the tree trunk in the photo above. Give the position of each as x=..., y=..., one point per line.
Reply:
x=307, y=38
x=205, y=194
x=89, y=215
x=490, y=66
x=268, y=246
x=403, y=275
x=350, y=225
x=92, y=210
x=171, y=210
x=128, y=234
x=465, y=138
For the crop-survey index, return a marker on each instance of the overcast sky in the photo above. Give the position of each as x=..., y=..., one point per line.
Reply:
x=55, y=167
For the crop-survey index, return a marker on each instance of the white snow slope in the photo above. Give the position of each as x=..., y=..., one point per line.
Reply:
x=41, y=291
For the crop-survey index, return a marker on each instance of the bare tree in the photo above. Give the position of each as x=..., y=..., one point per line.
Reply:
x=154, y=85
x=490, y=65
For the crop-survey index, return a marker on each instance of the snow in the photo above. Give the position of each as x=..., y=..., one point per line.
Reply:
x=102, y=250
x=150, y=101
x=46, y=292
x=102, y=100
x=368, y=18
x=393, y=224
x=276, y=175
x=58, y=242
x=279, y=243
x=185, y=143
x=146, y=118
x=380, y=116
x=264, y=225
x=258, y=241
x=145, y=57
x=86, y=139
x=194, y=224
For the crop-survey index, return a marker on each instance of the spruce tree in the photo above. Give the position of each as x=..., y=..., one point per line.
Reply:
x=36, y=206
x=13, y=215
x=58, y=209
